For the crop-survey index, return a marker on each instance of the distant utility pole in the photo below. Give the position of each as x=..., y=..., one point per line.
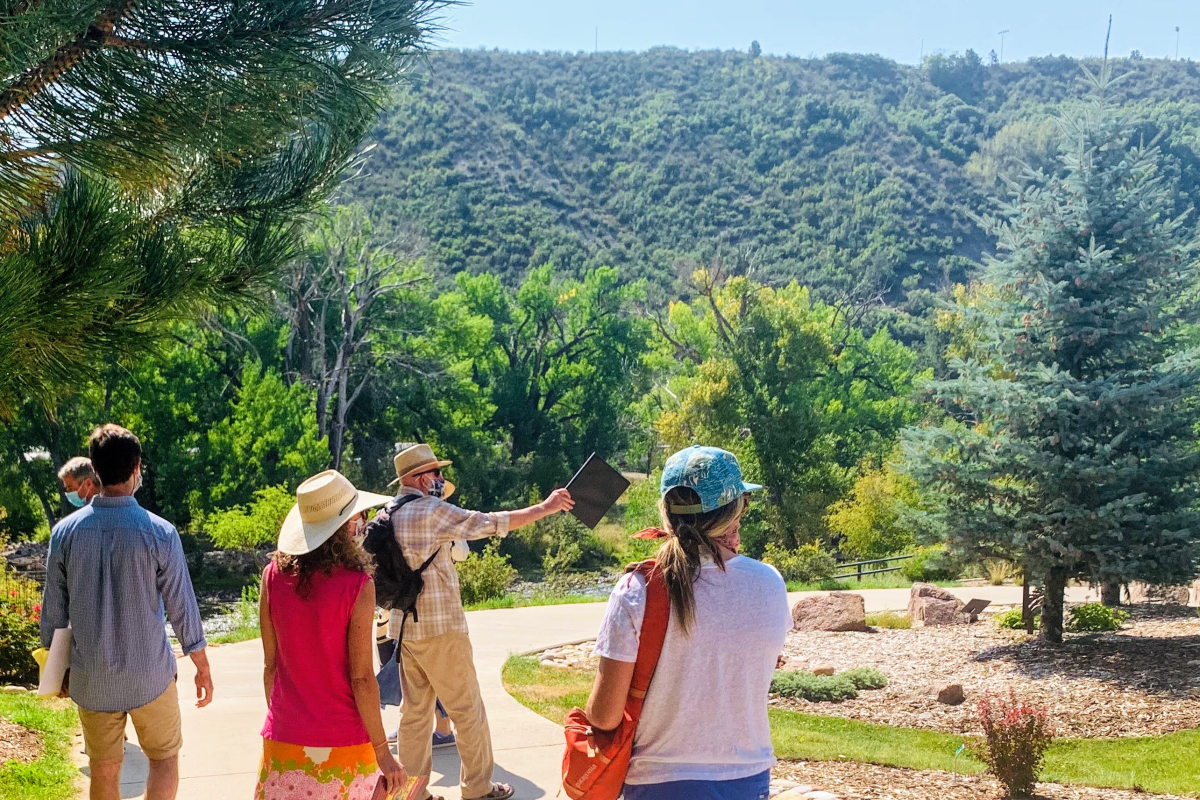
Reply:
x=1002, y=44
x=922, y=61
x=1176, y=42
x=596, y=46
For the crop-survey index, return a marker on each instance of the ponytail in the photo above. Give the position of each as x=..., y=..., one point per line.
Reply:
x=690, y=538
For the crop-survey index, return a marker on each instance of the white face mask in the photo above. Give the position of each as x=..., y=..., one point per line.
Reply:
x=139, y=483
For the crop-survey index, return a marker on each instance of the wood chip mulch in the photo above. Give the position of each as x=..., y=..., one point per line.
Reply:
x=18, y=743
x=1143, y=680
x=854, y=781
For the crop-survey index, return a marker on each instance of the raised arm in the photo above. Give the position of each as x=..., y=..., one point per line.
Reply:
x=361, y=643
x=559, y=500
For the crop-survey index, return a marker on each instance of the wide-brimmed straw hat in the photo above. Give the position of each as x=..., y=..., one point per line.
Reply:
x=323, y=504
x=416, y=459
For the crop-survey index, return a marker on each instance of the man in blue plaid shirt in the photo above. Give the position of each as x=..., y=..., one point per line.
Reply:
x=114, y=568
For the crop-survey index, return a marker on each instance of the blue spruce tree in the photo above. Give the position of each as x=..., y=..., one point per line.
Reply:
x=1071, y=446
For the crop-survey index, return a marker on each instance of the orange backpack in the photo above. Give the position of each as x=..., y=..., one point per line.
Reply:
x=595, y=763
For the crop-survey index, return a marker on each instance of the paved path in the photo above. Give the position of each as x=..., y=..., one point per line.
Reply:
x=222, y=745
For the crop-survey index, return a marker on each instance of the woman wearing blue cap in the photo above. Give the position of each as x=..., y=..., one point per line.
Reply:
x=703, y=732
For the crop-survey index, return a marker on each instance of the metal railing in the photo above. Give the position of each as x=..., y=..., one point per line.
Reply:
x=859, y=571
x=17, y=588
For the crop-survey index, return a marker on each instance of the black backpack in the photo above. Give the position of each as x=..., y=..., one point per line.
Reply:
x=397, y=585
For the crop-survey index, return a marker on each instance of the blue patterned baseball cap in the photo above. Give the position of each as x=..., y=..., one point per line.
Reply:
x=710, y=472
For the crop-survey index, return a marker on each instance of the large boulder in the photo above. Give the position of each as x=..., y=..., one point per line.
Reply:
x=836, y=611
x=1138, y=592
x=932, y=605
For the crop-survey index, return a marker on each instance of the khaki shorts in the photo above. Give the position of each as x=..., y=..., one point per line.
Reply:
x=157, y=723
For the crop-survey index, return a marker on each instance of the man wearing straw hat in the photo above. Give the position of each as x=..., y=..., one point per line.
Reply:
x=436, y=657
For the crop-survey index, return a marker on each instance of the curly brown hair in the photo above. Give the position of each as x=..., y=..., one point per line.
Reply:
x=339, y=550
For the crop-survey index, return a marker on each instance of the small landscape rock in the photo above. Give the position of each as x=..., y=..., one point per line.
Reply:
x=546, y=662
x=951, y=695
x=1194, y=663
x=15, y=690
x=820, y=796
x=823, y=669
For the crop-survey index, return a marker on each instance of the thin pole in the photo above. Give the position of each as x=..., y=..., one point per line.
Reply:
x=1002, y=44
x=596, y=46
x=922, y=61
x=1176, y=42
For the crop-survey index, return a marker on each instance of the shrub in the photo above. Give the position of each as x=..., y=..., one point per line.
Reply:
x=1094, y=617
x=889, y=619
x=558, y=544
x=871, y=520
x=1016, y=736
x=865, y=678
x=813, y=688
x=806, y=564
x=485, y=576
x=244, y=622
x=248, y=527
x=1012, y=619
x=999, y=571
x=20, y=635
x=930, y=564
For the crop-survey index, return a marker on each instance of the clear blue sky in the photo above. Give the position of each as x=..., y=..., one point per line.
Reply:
x=893, y=29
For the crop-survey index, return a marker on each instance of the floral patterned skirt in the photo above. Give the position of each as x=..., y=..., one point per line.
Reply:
x=295, y=772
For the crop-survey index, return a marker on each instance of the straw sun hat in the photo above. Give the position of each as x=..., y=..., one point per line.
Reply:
x=323, y=504
x=419, y=458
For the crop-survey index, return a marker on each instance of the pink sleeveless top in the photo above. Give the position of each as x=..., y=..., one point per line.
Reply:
x=312, y=703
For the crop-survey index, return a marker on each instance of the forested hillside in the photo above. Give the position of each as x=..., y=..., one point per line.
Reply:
x=845, y=171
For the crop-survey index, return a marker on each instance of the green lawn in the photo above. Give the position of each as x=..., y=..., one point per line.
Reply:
x=1165, y=764
x=891, y=580
x=538, y=599
x=51, y=777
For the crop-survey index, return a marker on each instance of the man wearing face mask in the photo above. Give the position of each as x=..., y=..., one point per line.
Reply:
x=113, y=569
x=79, y=481
x=436, y=657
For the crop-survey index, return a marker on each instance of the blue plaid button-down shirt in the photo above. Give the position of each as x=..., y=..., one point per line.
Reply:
x=113, y=568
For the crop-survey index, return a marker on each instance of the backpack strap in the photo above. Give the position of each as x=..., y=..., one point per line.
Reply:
x=654, y=632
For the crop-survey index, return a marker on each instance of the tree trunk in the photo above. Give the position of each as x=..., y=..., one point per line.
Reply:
x=1053, y=593
x=1026, y=611
x=1110, y=593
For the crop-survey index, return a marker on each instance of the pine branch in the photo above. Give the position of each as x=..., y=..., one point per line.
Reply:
x=40, y=76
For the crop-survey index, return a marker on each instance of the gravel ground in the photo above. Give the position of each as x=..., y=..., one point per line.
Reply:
x=1142, y=680
x=854, y=781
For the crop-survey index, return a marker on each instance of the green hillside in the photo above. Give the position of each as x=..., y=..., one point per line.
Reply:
x=841, y=171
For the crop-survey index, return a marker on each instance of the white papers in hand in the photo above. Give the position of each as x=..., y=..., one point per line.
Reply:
x=57, y=663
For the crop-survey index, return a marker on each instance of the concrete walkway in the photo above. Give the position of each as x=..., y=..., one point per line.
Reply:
x=222, y=745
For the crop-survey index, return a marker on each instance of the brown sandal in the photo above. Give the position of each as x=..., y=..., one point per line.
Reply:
x=500, y=791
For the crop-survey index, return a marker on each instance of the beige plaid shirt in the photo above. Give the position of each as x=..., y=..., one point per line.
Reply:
x=421, y=527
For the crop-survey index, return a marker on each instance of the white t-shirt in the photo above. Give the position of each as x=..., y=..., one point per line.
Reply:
x=705, y=715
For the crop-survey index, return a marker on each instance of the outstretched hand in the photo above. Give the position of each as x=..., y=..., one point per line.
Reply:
x=559, y=500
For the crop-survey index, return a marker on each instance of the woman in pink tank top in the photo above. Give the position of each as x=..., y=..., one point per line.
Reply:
x=324, y=736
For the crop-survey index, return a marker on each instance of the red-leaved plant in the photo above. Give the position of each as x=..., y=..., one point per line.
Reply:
x=1016, y=736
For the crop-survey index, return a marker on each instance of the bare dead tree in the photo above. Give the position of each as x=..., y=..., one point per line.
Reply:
x=338, y=306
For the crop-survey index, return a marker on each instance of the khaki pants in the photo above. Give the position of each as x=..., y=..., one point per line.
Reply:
x=444, y=667
x=157, y=724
